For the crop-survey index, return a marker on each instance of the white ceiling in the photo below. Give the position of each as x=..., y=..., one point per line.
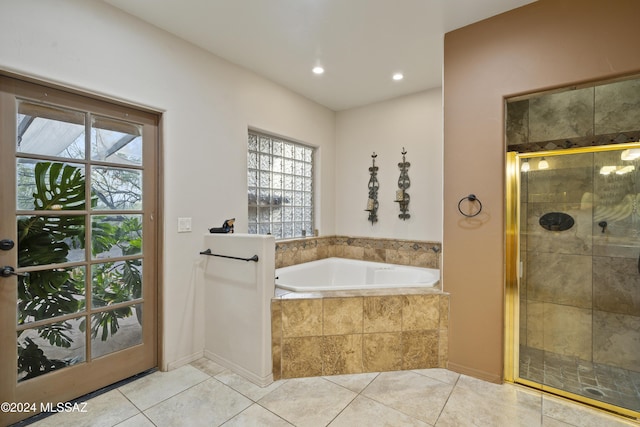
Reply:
x=360, y=43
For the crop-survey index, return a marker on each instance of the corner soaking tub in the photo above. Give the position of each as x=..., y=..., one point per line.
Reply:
x=334, y=274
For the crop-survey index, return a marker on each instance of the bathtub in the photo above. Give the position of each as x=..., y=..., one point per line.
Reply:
x=333, y=274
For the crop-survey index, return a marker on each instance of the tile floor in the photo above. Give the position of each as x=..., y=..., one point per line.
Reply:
x=606, y=383
x=205, y=394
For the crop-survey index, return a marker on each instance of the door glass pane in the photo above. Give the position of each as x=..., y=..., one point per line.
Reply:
x=115, y=282
x=116, y=330
x=50, y=293
x=50, y=131
x=50, y=347
x=115, y=141
x=117, y=189
x=116, y=235
x=45, y=185
x=51, y=239
x=579, y=305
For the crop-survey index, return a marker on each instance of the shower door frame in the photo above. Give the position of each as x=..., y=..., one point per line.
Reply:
x=512, y=274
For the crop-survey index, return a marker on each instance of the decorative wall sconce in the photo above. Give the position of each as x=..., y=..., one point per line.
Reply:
x=372, y=203
x=402, y=197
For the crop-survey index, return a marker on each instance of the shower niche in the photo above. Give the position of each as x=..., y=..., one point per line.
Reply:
x=574, y=242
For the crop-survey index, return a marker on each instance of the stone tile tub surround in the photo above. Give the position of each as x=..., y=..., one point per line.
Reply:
x=331, y=335
x=402, y=252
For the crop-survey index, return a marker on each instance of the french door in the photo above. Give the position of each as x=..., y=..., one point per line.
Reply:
x=78, y=257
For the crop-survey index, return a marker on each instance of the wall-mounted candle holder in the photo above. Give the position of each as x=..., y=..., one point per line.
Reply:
x=372, y=202
x=402, y=197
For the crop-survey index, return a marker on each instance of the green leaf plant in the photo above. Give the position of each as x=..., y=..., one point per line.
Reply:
x=47, y=238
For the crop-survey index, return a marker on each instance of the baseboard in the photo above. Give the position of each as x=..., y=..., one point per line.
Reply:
x=183, y=361
x=257, y=380
x=482, y=375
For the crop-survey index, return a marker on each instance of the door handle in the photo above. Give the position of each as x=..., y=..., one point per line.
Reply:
x=8, y=271
x=6, y=244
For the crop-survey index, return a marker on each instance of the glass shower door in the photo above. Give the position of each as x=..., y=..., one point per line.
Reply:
x=579, y=285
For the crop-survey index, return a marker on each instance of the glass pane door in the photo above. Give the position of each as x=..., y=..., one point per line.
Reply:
x=580, y=284
x=82, y=264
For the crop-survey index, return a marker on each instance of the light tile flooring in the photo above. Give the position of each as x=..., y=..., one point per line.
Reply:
x=205, y=394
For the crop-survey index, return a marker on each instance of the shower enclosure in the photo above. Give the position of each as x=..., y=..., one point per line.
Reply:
x=573, y=254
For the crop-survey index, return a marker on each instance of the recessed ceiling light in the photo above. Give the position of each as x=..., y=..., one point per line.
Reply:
x=398, y=76
x=318, y=70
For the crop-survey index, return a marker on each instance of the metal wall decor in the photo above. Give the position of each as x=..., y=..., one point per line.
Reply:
x=402, y=197
x=372, y=203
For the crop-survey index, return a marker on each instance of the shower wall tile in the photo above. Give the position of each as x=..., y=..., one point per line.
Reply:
x=342, y=316
x=517, y=122
x=561, y=115
x=616, y=287
x=567, y=179
x=616, y=340
x=567, y=330
x=383, y=314
x=342, y=354
x=576, y=240
x=617, y=107
x=535, y=324
x=560, y=278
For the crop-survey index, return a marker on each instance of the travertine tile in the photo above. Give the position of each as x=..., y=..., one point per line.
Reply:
x=616, y=340
x=560, y=279
x=342, y=316
x=367, y=412
x=420, y=312
x=419, y=349
x=276, y=338
x=443, y=375
x=490, y=404
x=383, y=314
x=382, y=352
x=375, y=255
x=308, y=401
x=256, y=416
x=208, y=403
x=444, y=311
x=353, y=382
x=575, y=415
x=207, y=366
x=246, y=387
x=139, y=420
x=567, y=330
x=616, y=285
x=561, y=115
x=156, y=387
x=302, y=317
x=342, y=354
x=108, y=409
x=301, y=357
x=410, y=393
x=443, y=348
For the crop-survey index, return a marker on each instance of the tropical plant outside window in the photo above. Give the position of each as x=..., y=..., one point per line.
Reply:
x=79, y=220
x=280, y=187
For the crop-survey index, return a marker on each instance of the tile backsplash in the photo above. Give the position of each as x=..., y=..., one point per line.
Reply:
x=403, y=252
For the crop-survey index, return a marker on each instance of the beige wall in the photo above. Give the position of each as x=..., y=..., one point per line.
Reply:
x=547, y=44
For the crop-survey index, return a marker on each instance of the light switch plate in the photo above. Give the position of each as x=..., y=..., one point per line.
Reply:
x=184, y=225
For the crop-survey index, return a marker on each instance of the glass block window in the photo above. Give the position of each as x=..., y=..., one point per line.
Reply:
x=280, y=187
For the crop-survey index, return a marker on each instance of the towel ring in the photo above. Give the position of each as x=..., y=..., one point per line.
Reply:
x=471, y=198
